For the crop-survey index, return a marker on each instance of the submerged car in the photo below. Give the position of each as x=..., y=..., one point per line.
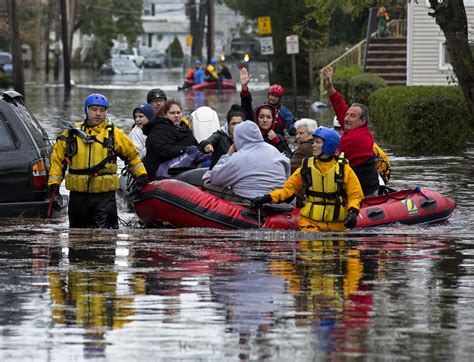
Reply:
x=154, y=60
x=119, y=66
x=6, y=64
x=25, y=149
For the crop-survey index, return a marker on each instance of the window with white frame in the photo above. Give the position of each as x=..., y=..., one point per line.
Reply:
x=444, y=61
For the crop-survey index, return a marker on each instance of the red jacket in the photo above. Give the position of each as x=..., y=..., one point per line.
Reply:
x=357, y=144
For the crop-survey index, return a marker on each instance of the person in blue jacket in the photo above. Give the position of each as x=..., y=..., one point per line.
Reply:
x=284, y=118
x=198, y=72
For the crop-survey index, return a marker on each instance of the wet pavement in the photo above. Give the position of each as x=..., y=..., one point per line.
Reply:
x=398, y=292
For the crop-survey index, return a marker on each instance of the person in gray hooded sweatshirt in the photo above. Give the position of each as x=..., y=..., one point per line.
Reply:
x=251, y=166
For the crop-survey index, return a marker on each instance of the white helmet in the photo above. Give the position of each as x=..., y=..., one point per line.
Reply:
x=204, y=122
x=335, y=122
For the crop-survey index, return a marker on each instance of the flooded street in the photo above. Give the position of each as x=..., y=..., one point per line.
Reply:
x=397, y=293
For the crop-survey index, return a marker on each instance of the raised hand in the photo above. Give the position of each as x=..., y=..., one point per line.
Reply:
x=328, y=80
x=244, y=77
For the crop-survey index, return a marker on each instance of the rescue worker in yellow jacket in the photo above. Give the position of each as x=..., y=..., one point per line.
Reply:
x=88, y=151
x=331, y=189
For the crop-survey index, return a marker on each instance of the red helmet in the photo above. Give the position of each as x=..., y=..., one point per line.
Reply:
x=276, y=90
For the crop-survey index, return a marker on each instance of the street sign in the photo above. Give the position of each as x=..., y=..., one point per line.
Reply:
x=264, y=25
x=189, y=40
x=292, y=44
x=266, y=45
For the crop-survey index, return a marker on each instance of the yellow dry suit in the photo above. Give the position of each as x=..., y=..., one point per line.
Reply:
x=331, y=188
x=326, y=198
x=89, y=154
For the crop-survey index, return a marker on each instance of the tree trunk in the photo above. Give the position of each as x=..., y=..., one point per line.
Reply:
x=210, y=29
x=199, y=36
x=451, y=18
x=65, y=36
x=18, y=77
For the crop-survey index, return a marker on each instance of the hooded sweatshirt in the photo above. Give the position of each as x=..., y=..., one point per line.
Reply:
x=257, y=168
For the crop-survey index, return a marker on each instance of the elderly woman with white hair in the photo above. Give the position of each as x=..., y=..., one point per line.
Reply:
x=304, y=138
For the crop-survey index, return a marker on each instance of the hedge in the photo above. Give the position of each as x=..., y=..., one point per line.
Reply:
x=428, y=120
x=362, y=86
x=342, y=76
x=5, y=81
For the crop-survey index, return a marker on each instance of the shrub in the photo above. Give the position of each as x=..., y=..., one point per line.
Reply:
x=423, y=119
x=174, y=50
x=5, y=81
x=342, y=76
x=362, y=86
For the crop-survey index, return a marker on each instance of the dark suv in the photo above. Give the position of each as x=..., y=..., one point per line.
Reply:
x=25, y=149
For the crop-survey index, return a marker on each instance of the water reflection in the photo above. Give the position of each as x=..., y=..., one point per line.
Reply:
x=249, y=295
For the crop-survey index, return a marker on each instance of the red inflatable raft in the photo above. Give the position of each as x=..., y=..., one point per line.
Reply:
x=180, y=204
x=226, y=84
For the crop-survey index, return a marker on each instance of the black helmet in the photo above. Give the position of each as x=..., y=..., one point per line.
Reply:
x=156, y=93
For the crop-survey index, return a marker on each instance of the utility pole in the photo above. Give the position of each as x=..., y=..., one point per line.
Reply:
x=46, y=38
x=211, y=12
x=18, y=77
x=65, y=36
x=72, y=23
x=57, y=31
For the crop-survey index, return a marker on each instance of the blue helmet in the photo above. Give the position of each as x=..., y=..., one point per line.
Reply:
x=330, y=137
x=95, y=99
x=197, y=62
x=213, y=61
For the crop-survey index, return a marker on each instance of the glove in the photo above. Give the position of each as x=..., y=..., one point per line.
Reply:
x=292, y=131
x=53, y=189
x=139, y=184
x=260, y=200
x=351, y=219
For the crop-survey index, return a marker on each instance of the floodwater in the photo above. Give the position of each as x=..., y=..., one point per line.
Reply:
x=397, y=293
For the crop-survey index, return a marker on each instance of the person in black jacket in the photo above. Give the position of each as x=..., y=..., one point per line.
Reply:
x=165, y=140
x=219, y=142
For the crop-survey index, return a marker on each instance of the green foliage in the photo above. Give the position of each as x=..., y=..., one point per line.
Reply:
x=362, y=86
x=342, y=76
x=344, y=27
x=295, y=13
x=5, y=81
x=128, y=15
x=106, y=20
x=422, y=120
x=174, y=50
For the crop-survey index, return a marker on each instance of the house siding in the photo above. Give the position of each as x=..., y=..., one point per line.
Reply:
x=423, y=60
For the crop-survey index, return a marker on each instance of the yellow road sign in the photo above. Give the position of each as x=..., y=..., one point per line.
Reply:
x=189, y=40
x=264, y=25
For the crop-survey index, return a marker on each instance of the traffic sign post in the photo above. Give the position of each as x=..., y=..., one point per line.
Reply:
x=292, y=48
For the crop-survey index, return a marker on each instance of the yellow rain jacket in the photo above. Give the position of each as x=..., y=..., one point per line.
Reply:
x=382, y=165
x=92, y=163
x=318, y=212
x=211, y=70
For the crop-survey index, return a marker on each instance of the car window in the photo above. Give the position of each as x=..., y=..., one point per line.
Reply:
x=5, y=137
x=5, y=59
x=38, y=133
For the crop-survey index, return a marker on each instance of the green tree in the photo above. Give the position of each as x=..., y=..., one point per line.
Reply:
x=284, y=15
x=451, y=17
x=106, y=20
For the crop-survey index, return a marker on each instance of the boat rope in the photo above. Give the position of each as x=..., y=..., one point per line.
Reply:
x=388, y=196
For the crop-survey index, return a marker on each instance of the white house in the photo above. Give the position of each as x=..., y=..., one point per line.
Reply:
x=427, y=59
